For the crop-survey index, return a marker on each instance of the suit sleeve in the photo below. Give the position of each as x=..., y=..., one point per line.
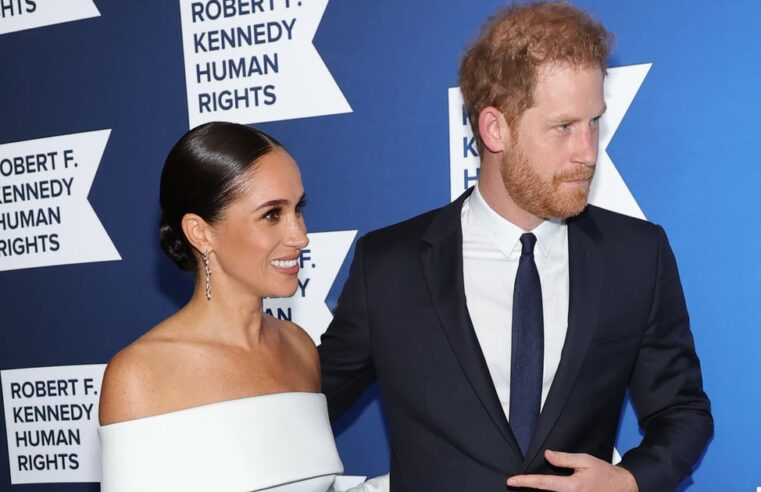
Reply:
x=345, y=357
x=666, y=387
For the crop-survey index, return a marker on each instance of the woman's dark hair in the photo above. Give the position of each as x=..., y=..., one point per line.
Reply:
x=201, y=175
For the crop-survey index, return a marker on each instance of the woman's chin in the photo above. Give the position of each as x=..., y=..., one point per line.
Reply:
x=284, y=291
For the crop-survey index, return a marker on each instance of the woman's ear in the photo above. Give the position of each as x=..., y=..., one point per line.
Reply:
x=199, y=233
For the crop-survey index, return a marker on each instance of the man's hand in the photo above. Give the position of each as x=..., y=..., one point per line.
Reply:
x=589, y=474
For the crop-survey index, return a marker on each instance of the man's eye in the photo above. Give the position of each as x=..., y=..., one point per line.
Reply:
x=596, y=120
x=563, y=127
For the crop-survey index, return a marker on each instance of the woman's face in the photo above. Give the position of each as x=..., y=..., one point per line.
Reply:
x=258, y=239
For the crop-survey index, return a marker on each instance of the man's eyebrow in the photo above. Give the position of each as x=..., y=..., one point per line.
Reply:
x=568, y=117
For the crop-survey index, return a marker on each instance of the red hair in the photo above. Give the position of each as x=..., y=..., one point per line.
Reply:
x=500, y=69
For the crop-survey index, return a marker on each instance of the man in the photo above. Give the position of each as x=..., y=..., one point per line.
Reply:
x=505, y=328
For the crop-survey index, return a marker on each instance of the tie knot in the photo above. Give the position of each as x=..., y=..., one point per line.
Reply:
x=528, y=240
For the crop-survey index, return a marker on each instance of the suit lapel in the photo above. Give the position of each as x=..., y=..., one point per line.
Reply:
x=586, y=273
x=443, y=268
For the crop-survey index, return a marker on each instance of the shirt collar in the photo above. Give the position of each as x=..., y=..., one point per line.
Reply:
x=506, y=235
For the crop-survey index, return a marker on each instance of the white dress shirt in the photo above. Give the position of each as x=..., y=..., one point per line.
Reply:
x=491, y=250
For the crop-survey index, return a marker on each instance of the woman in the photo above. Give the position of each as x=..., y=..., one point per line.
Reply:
x=221, y=396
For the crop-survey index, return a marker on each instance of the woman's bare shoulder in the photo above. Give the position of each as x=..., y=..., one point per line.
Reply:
x=296, y=335
x=133, y=376
x=301, y=343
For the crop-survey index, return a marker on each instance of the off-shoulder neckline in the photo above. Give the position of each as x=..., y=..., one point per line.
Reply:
x=205, y=406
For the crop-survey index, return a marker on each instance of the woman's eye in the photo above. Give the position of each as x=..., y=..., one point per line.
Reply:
x=272, y=215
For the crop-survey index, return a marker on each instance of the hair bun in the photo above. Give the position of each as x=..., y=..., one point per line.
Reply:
x=175, y=246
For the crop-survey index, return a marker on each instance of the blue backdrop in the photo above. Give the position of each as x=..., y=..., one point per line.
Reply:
x=685, y=149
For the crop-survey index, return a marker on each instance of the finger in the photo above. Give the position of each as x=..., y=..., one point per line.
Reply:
x=568, y=460
x=544, y=482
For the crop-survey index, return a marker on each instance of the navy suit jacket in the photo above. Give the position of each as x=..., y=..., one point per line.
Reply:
x=402, y=319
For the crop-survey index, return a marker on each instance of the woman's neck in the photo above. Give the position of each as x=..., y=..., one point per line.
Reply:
x=229, y=317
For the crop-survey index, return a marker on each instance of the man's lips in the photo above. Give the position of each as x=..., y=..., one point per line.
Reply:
x=581, y=178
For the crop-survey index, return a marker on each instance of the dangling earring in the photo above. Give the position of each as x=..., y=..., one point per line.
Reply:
x=207, y=272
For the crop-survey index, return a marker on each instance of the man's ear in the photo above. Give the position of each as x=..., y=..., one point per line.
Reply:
x=493, y=129
x=199, y=232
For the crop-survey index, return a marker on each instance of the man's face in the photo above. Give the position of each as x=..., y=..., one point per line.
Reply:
x=548, y=166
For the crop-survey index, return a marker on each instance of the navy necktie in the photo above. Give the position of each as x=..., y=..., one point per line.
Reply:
x=527, y=347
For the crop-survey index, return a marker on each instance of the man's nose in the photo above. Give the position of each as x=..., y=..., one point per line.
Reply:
x=587, y=143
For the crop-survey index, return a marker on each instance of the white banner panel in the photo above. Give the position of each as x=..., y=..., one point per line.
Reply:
x=608, y=187
x=51, y=420
x=18, y=15
x=250, y=61
x=45, y=218
x=464, y=161
x=319, y=265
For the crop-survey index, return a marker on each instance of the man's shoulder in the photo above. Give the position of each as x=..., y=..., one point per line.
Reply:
x=410, y=231
x=620, y=234
x=608, y=221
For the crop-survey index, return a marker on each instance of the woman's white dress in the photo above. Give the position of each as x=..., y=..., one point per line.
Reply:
x=281, y=442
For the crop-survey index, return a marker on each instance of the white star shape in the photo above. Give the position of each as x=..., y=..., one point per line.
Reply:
x=608, y=188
